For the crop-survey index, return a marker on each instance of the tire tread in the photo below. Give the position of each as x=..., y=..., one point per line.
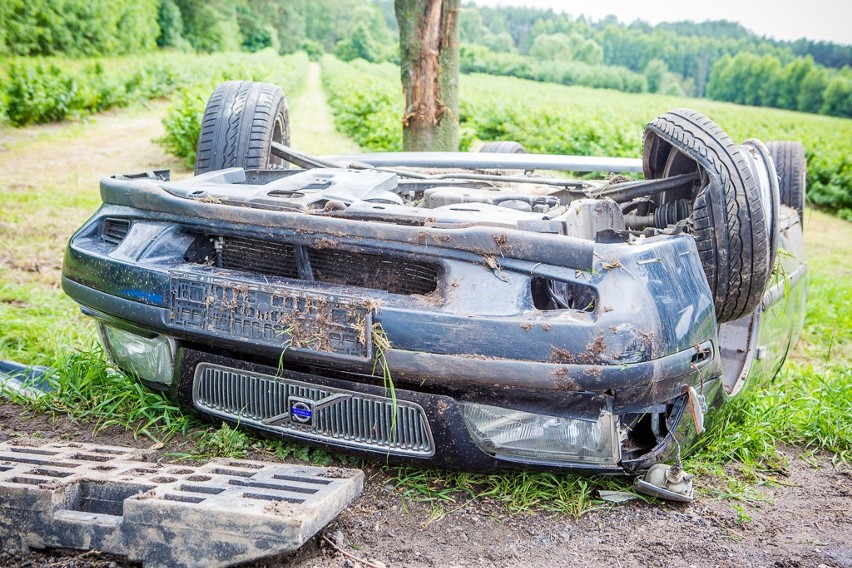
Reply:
x=239, y=124
x=727, y=214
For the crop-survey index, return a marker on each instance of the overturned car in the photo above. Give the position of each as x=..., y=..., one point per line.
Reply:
x=457, y=310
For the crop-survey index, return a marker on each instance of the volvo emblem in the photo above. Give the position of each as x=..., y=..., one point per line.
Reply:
x=301, y=410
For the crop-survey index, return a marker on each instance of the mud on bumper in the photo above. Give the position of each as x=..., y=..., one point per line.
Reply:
x=490, y=326
x=410, y=427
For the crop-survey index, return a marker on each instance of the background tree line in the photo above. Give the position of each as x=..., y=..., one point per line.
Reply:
x=715, y=59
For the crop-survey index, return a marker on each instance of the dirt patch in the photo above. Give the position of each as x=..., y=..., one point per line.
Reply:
x=595, y=352
x=49, y=180
x=62, y=559
x=563, y=380
x=613, y=179
x=559, y=355
x=597, y=347
x=325, y=243
x=433, y=298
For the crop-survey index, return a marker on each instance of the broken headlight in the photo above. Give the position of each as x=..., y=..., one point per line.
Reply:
x=539, y=438
x=149, y=358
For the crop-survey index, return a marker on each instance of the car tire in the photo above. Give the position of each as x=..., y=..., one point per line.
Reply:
x=792, y=169
x=728, y=217
x=505, y=147
x=241, y=120
x=762, y=165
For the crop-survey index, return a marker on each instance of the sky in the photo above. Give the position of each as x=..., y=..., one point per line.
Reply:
x=829, y=20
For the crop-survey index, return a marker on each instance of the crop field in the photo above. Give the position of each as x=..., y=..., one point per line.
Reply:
x=48, y=187
x=549, y=118
x=52, y=89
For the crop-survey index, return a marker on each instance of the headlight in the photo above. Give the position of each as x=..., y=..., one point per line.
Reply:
x=538, y=438
x=150, y=358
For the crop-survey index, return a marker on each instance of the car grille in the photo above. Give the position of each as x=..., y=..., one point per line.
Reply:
x=114, y=230
x=334, y=416
x=259, y=256
x=396, y=275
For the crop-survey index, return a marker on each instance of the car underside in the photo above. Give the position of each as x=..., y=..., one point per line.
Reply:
x=457, y=310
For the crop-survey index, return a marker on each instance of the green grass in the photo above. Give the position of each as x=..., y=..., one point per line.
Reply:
x=88, y=390
x=515, y=492
x=312, y=125
x=828, y=327
x=808, y=406
x=39, y=324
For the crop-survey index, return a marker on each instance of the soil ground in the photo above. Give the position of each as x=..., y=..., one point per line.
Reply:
x=804, y=520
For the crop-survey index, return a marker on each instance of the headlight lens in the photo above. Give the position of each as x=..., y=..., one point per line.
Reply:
x=538, y=438
x=151, y=359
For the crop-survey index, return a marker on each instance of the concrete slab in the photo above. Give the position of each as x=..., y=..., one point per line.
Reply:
x=113, y=499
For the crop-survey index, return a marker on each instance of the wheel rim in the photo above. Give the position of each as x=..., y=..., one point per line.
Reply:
x=275, y=162
x=677, y=164
x=760, y=161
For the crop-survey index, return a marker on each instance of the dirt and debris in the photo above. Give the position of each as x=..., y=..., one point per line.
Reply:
x=613, y=179
x=315, y=332
x=433, y=298
x=60, y=558
x=612, y=264
x=560, y=355
x=210, y=199
x=595, y=352
x=436, y=237
x=563, y=380
x=325, y=243
x=442, y=407
x=594, y=372
x=802, y=521
x=597, y=348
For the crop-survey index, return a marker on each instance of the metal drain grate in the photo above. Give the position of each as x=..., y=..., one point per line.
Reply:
x=225, y=512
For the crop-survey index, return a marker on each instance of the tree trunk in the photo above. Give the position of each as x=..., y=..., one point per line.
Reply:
x=429, y=64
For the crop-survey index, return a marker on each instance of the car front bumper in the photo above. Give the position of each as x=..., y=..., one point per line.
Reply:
x=480, y=338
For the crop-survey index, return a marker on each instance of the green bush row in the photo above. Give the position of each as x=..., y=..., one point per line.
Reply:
x=78, y=27
x=478, y=59
x=556, y=119
x=183, y=120
x=39, y=90
x=366, y=101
